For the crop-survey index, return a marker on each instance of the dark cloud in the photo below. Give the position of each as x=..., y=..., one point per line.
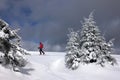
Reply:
x=48, y=20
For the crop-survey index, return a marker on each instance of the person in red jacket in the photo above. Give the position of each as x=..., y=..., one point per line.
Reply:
x=41, y=48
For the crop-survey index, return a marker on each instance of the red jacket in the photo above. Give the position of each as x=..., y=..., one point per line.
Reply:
x=41, y=45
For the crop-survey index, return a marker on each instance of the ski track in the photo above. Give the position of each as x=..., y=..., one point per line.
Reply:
x=47, y=67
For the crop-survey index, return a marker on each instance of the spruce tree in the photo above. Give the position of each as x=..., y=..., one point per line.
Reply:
x=11, y=53
x=93, y=45
x=105, y=55
x=72, y=49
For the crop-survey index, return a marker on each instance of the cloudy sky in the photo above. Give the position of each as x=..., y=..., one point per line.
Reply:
x=48, y=20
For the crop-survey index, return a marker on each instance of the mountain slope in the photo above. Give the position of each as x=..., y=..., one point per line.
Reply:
x=51, y=67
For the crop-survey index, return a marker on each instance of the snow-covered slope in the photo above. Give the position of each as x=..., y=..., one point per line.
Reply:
x=51, y=67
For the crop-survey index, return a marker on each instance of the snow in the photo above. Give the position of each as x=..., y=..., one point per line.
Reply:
x=3, y=35
x=52, y=67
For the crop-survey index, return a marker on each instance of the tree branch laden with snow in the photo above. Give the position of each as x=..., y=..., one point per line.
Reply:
x=11, y=52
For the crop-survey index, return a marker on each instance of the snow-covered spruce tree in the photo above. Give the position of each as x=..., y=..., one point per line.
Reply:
x=72, y=50
x=106, y=50
x=11, y=52
x=93, y=45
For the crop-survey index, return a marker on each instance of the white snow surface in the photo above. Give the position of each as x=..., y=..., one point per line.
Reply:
x=51, y=67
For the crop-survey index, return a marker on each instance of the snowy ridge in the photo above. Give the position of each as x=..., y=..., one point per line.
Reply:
x=52, y=67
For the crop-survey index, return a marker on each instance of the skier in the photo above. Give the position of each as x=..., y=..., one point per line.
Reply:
x=41, y=48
